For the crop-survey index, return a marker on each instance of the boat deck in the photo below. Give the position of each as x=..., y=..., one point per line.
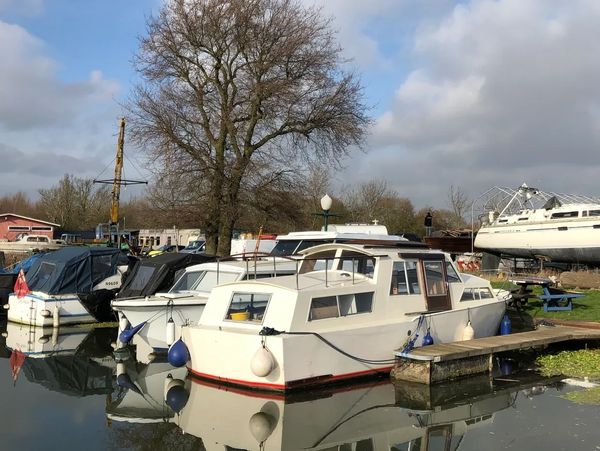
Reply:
x=430, y=364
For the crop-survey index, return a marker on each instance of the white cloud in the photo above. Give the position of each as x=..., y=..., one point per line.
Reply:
x=501, y=92
x=31, y=94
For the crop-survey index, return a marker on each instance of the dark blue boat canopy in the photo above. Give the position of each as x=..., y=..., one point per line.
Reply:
x=74, y=269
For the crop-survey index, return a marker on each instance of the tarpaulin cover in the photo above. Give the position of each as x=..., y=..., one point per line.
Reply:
x=74, y=269
x=156, y=274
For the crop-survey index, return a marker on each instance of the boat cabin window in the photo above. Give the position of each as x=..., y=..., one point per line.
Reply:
x=404, y=278
x=186, y=281
x=265, y=275
x=41, y=276
x=476, y=294
x=564, y=214
x=101, y=267
x=434, y=278
x=342, y=305
x=318, y=262
x=142, y=277
x=591, y=213
x=210, y=279
x=357, y=263
x=451, y=273
x=248, y=307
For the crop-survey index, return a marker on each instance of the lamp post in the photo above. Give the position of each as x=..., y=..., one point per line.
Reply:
x=326, y=206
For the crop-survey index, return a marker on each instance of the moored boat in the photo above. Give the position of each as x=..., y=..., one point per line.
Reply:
x=342, y=316
x=69, y=286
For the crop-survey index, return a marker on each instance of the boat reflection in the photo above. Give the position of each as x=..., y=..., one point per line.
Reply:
x=71, y=360
x=372, y=417
x=148, y=393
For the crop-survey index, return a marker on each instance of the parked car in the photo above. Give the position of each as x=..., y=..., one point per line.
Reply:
x=165, y=248
x=195, y=247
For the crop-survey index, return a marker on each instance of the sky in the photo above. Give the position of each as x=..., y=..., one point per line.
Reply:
x=469, y=94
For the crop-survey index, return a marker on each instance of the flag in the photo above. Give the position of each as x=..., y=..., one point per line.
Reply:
x=21, y=288
x=17, y=358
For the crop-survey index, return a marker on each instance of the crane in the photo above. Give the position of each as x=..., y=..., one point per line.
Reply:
x=117, y=181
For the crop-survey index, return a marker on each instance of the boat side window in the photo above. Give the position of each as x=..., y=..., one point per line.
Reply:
x=342, y=305
x=404, y=278
x=451, y=273
x=592, y=213
x=565, y=214
x=101, y=267
x=318, y=262
x=476, y=294
x=211, y=279
x=41, y=276
x=248, y=307
x=142, y=277
x=357, y=263
x=186, y=281
x=434, y=278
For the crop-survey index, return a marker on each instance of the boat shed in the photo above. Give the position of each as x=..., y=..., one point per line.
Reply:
x=13, y=225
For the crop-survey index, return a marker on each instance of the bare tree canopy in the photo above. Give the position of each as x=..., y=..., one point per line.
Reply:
x=75, y=203
x=242, y=91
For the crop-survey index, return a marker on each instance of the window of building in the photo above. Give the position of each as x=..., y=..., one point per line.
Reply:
x=41, y=228
x=19, y=228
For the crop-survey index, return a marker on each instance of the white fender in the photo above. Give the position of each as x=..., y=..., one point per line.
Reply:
x=262, y=362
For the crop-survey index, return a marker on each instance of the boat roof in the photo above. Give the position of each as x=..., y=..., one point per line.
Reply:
x=346, y=231
x=153, y=274
x=74, y=269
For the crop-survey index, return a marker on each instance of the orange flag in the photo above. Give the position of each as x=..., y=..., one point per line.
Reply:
x=21, y=288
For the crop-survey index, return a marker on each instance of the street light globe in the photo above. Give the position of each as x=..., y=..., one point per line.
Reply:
x=326, y=202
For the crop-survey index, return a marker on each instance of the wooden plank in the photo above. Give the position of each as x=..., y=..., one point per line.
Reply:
x=487, y=345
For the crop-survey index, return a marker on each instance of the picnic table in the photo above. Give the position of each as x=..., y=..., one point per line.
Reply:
x=554, y=299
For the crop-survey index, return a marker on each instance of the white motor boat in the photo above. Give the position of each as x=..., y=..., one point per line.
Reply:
x=359, y=418
x=530, y=223
x=342, y=316
x=184, y=302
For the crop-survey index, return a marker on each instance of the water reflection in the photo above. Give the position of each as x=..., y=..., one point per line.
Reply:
x=74, y=389
x=373, y=417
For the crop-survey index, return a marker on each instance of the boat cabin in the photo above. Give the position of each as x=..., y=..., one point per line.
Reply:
x=359, y=282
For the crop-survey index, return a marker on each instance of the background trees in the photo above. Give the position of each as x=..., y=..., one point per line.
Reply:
x=243, y=93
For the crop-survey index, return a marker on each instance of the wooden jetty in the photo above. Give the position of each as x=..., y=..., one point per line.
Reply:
x=440, y=362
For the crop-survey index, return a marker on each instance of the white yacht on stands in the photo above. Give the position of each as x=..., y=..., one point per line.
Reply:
x=530, y=223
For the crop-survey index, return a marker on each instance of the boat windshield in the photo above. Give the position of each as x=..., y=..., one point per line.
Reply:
x=291, y=247
x=203, y=281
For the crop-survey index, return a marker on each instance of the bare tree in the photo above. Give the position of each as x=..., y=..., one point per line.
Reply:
x=239, y=90
x=459, y=204
x=75, y=203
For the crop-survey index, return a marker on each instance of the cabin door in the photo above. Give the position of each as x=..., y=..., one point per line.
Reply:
x=436, y=285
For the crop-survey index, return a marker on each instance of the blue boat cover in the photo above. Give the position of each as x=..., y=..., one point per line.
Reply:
x=74, y=269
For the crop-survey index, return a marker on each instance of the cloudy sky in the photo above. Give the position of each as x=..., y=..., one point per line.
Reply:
x=472, y=93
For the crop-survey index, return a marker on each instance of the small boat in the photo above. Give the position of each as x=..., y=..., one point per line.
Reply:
x=70, y=286
x=342, y=316
x=533, y=224
x=184, y=302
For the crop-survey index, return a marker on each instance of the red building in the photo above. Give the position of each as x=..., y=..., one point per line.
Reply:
x=12, y=225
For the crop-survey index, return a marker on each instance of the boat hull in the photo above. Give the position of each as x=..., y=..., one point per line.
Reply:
x=156, y=313
x=303, y=360
x=563, y=241
x=37, y=309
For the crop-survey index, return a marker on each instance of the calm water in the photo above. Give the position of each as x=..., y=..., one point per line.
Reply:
x=84, y=399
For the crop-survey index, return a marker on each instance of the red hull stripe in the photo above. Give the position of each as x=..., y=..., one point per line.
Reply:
x=293, y=384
